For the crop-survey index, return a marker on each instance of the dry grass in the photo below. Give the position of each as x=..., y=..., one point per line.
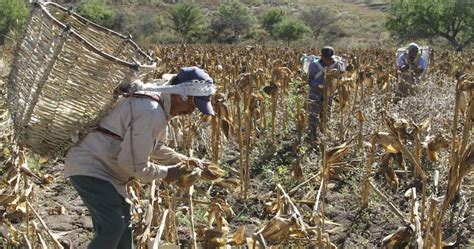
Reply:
x=265, y=149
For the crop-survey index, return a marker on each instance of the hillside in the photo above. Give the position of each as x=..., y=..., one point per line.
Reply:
x=358, y=23
x=390, y=165
x=370, y=189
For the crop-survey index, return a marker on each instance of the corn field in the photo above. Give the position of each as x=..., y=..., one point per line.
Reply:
x=403, y=164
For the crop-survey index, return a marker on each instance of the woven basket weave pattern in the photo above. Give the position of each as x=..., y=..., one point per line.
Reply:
x=62, y=79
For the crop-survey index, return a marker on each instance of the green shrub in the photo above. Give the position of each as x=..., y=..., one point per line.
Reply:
x=291, y=30
x=187, y=20
x=13, y=15
x=232, y=22
x=271, y=18
x=96, y=11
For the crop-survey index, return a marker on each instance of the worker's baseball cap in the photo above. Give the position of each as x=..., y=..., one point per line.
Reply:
x=186, y=74
x=327, y=52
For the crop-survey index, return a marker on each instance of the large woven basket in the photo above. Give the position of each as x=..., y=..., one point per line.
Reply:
x=63, y=76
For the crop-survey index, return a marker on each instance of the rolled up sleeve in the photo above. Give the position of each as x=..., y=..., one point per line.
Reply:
x=138, y=144
x=167, y=156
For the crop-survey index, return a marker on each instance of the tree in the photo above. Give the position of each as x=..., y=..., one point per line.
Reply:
x=319, y=20
x=291, y=30
x=96, y=11
x=187, y=20
x=232, y=21
x=13, y=15
x=450, y=19
x=271, y=18
x=142, y=23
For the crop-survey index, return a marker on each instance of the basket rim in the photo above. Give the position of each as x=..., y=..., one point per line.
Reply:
x=135, y=65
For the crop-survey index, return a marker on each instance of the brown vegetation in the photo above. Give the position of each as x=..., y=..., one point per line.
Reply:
x=379, y=161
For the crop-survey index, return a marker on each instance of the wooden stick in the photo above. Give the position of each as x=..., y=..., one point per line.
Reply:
x=418, y=227
x=191, y=216
x=293, y=190
x=295, y=210
x=390, y=204
x=160, y=230
x=44, y=226
x=25, y=177
x=435, y=182
x=316, y=204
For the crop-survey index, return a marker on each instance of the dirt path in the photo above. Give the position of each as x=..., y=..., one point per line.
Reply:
x=63, y=210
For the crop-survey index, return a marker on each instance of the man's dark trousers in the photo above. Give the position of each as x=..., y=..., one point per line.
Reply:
x=110, y=213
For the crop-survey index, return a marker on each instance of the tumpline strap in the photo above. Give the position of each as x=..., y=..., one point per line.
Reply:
x=149, y=96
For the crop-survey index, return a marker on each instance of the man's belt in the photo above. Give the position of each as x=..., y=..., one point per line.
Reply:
x=108, y=133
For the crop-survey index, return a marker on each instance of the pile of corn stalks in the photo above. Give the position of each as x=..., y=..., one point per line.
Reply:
x=18, y=184
x=262, y=96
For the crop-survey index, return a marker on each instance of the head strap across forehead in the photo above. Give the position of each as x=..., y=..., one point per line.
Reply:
x=188, y=88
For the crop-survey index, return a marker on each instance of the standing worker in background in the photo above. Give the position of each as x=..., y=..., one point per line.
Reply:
x=316, y=81
x=119, y=149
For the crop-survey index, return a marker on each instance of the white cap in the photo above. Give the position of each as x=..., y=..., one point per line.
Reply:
x=413, y=46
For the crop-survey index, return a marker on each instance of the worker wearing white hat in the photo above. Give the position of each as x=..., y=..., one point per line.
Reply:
x=412, y=60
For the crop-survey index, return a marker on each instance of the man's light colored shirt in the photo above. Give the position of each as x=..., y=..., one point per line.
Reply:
x=107, y=158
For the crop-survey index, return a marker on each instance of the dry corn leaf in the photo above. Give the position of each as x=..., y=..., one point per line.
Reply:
x=57, y=210
x=467, y=161
x=6, y=199
x=278, y=228
x=189, y=179
x=48, y=179
x=228, y=183
x=467, y=86
x=239, y=236
x=271, y=207
x=360, y=117
x=296, y=170
x=212, y=172
x=43, y=160
x=205, y=118
x=451, y=241
x=434, y=145
x=215, y=242
x=462, y=102
x=387, y=170
x=210, y=234
x=389, y=142
x=400, y=238
x=336, y=153
x=226, y=208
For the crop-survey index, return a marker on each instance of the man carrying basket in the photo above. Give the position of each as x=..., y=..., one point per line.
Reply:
x=119, y=150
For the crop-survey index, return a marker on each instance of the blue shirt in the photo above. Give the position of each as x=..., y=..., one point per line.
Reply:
x=316, y=70
x=419, y=61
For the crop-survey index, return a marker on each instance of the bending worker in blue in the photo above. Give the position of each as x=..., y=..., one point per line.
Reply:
x=412, y=61
x=411, y=65
x=316, y=81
